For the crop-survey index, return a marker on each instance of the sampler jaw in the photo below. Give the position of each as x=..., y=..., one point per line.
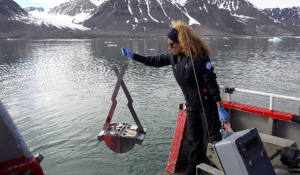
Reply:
x=121, y=137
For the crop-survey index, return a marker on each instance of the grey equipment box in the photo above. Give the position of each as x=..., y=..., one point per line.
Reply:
x=243, y=153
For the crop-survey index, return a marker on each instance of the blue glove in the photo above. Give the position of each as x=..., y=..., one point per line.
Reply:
x=223, y=115
x=126, y=52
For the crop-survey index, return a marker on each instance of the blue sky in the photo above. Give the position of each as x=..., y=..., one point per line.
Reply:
x=258, y=3
x=29, y=3
x=39, y=3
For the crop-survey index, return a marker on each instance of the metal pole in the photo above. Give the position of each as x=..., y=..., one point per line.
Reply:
x=271, y=102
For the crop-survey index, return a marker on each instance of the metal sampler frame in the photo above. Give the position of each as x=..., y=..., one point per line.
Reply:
x=121, y=137
x=121, y=83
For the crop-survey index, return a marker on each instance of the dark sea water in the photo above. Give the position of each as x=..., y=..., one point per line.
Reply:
x=58, y=93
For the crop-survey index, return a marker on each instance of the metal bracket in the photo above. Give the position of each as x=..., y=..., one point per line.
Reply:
x=228, y=90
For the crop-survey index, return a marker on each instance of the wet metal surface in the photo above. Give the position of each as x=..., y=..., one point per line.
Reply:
x=121, y=137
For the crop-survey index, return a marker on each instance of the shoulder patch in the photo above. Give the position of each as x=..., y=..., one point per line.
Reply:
x=208, y=65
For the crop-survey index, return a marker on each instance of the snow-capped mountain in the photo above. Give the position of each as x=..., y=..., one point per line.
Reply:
x=62, y=22
x=289, y=16
x=67, y=15
x=74, y=7
x=85, y=18
x=31, y=9
x=210, y=16
x=16, y=22
x=135, y=15
x=233, y=16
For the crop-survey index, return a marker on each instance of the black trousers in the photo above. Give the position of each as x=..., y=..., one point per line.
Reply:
x=198, y=136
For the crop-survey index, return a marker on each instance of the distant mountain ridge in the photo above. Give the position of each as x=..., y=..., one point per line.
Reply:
x=74, y=7
x=289, y=16
x=92, y=18
x=30, y=9
x=209, y=16
x=15, y=22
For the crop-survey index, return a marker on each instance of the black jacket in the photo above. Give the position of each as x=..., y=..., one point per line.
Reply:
x=184, y=74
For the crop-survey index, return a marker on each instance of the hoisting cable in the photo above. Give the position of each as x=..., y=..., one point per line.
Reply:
x=198, y=88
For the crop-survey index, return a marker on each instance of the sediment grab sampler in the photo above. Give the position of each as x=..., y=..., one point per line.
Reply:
x=121, y=137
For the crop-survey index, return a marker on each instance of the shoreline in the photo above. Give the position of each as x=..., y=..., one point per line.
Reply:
x=40, y=33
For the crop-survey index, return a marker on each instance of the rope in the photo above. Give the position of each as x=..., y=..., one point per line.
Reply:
x=198, y=88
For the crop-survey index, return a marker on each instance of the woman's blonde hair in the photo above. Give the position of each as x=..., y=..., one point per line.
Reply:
x=197, y=45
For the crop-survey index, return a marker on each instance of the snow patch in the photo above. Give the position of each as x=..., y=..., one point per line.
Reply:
x=59, y=21
x=191, y=19
x=134, y=27
x=205, y=8
x=141, y=12
x=225, y=4
x=241, y=18
x=160, y=3
x=182, y=2
x=129, y=8
x=98, y=2
x=147, y=2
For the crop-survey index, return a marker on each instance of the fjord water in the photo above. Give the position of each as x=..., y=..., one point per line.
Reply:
x=58, y=93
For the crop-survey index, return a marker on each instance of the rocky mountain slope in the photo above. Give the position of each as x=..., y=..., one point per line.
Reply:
x=93, y=18
x=73, y=8
x=208, y=16
x=10, y=12
x=288, y=16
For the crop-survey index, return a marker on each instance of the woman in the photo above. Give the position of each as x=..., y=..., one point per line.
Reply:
x=187, y=49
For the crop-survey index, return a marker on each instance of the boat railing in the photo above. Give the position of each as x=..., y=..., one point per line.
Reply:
x=271, y=96
x=281, y=122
